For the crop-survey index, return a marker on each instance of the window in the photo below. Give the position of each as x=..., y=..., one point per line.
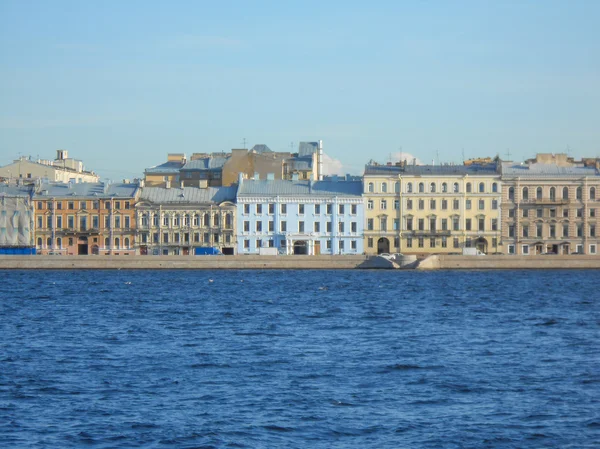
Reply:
x=553, y=231
x=421, y=242
x=59, y=222
x=383, y=223
x=455, y=187
x=481, y=204
x=494, y=224
x=117, y=205
x=592, y=249
x=317, y=226
x=468, y=204
x=370, y=204
x=284, y=209
x=579, y=249
x=384, y=187
x=317, y=209
x=165, y=237
x=371, y=187
x=106, y=205
x=432, y=204
x=176, y=220
x=455, y=204
x=409, y=224
x=469, y=188
x=565, y=194
x=592, y=193
x=396, y=204
x=82, y=205
x=409, y=187
x=538, y=230
x=71, y=205
x=481, y=187
x=553, y=193
x=525, y=249
x=421, y=204
x=328, y=226
x=397, y=187
x=246, y=226
x=538, y=193
x=511, y=193
x=396, y=225
x=409, y=204
x=71, y=221
x=444, y=204
x=271, y=226
x=592, y=212
x=165, y=220
x=444, y=224
x=370, y=242
x=444, y=187
x=383, y=204
x=409, y=242
x=259, y=226
x=283, y=226
x=579, y=193
x=511, y=249
x=432, y=224
x=59, y=205
x=468, y=224
x=301, y=209
x=455, y=224
x=421, y=187
x=444, y=242
x=579, y=230
x=341, y=226
x=246, y=244
x=481, y=224
x=421, y=224
x=271, y=208
x=155, y=220
x=353, y=227
x=579, y=213
x=495, y=187
x=552, y=213
x=525, y=213
x=369, y=224
x=432, y=187
x=539, y=213
x=341, y=209
x=259, y=209
x=565, y=230
x=301, y=226
x=341, y=245
x=592, y=230
x=455, y=242
x=494, y=204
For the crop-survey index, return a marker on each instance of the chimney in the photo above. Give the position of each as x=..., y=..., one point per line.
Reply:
x=167, y=184
x=320, y=161
x=181, y=185
x=142, y=183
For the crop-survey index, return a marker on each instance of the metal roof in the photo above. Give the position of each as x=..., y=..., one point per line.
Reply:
x=307, y=148
x=167, y=167
x=90, y=190
x=206, y=163
x=537, y=170
x=424, y=170
x=300, y=163
x=12, y=190
x=261, y=148
x=188, y=194
x=300, y=188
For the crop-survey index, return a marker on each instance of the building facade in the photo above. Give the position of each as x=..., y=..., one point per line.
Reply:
x=299, y=217
x=426, y=209
x=186, y=220
x=550, y=204
x=16, y=219
x=85, y=218
x=62, y=169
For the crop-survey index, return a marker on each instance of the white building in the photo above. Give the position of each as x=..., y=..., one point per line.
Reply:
x=62, y=169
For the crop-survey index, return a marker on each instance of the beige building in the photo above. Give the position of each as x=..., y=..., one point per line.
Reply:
x=550, y=204
x=186, y=220
x=425, y=209
x=62, y=169
x=166, y=173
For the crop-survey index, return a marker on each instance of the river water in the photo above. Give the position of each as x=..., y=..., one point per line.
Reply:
x=363, y=359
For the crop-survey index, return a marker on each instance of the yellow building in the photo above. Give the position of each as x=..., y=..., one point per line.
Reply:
x=425, y=209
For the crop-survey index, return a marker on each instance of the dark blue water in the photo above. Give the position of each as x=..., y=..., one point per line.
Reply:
x=365, y=359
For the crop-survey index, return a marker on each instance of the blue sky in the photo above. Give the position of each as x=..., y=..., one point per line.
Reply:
x=122, y=83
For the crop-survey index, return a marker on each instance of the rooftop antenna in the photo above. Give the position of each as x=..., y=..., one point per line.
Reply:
x=463, y=154
x=508, y=154
x=291, y=147
x=437, y=154
x=401, y=155
x=568, y=150
x=390, y=158
x=244, y=142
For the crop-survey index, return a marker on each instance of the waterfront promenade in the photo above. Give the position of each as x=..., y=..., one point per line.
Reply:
x=435, y=262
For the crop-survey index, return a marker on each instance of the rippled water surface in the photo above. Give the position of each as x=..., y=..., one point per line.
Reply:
x=191, y=359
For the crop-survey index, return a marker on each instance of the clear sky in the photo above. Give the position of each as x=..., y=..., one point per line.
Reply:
x=122, y=83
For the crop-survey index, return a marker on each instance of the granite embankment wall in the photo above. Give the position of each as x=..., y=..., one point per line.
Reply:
x=444, y=262
x=179, y=262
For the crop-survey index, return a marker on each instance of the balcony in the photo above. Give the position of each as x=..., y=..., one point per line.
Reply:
x=429, y=233
x=544, y=201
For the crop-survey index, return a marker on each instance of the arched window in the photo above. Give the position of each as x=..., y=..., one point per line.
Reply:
x=49, y=242
x=117, y=243
x=444, y=187
x=592, y=193
x=409, y=187
x=579, y=193
x=538, y=193
x=59, y=243
x=176, y=220
x=455, y=187
x=511, y=193
x=228, y=221
x=565, y=193
x=495, y=187
x=552, y=193
x=371, y=187
x=156, y=220
x=127, y=242
x=106, y=242
x=481, y=187
x=525, y=193
x=384, y=187
x=421, y=187
x=397, y=187
x=468, y=187
x=207, y=219
x=196, y=220
x=432, y=187
x=216, y=220
x=39, y=242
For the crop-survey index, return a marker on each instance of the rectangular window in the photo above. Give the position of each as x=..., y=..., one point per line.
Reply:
x=592, y=230
x=82, y=205
x=525, y=230
x=301, y=226
x=353, y=227
x=71, y=222
x=383, y=224
x=396, y=204
x=370, y=204
x=511, y=249
x=409, y=204
x=432, y=242
x=511, y=213
x=246, y=244
x=83, y=223
x=329, y=209
x=271, y=226
x=284, y=209
x=468, y=204
x=354, y=209
x=165, y=220
x=494, y=204
x=421, y=224
x=71, y=205
x=396, y=224
x=283, y=226
x=444, y=204
x=301, y=209
x=421, y=242
x=525, y=249
x=341, y=209
x=468, y=224
x=317, y=226
x=481, y=204
x=593, y=249
x=117, y=205
x=409, y=242
x=329, y=227
x=444, y=242
x=328, y=245
x=59, y=205
x=444, y=224
x=592, y=212
x=455, y=242
x=246, y=209
x=538, y=230
x=127, y=219
x=421, y=204
x=59, y=223
x=552, y=231
x=259, y=209
x=271, y=208
x=259, y=226
x=525, y=213
x=565, y=213
x=353, y=244
x=540, y=213
x=246, y=226
x=165, y=237
x=565, y=232
x=455, y=204
x=511, y=230
x=369, y=224
x=341, y=245
x=481, y=224
x=317, y=209
x=383, y=204
x=494, y=224
x=432, y=204
x=370, y=242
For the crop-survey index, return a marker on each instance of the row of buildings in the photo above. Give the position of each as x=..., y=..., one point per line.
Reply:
x=548, y=204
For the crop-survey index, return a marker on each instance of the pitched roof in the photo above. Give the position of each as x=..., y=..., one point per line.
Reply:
x=300, y=188
x=167, y=167
x=188, y=194
x=12, y=190
x=90, y=190
x=538, y=170
x=206, y=163
x=424, y=170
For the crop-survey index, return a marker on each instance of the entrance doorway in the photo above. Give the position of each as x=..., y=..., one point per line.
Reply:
x=95, y=250
x=482, y=245
x=227, y=251
x=317, y=247
x=383, y=245
x=82, y=246
x=300, y=248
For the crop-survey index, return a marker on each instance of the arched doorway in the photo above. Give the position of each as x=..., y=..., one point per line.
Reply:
x=482, y=245
x=383, y=245
x=95, y=250
x=300, y=247
x=82, y=246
